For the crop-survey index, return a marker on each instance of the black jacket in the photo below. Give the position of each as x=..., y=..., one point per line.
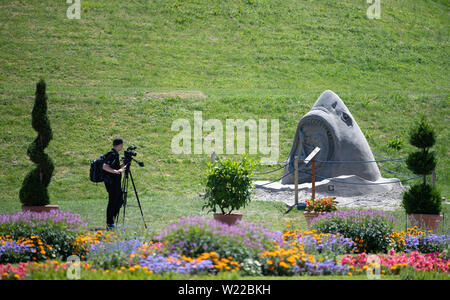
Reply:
x=112, y=159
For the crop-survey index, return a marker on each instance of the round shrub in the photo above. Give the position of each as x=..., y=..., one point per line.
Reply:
x=369, y=229
x=422, y=199
x=421, y=162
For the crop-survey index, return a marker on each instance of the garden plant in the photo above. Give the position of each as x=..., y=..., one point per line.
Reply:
x=34, y=246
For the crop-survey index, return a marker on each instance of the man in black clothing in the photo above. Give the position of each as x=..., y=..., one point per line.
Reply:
x=113, y=174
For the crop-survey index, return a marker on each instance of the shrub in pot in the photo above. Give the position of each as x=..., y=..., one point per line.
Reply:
x=422, y=202
x=228, y=188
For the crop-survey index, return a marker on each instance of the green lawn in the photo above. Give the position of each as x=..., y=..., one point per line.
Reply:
x=130, y=68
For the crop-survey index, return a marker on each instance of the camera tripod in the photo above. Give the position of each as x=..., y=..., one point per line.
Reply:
x=125, y=182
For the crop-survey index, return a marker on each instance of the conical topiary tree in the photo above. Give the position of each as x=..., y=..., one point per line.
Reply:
x=422, y=198
x=34, y=186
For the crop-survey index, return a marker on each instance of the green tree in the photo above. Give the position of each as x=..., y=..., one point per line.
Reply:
x=34, y=186
x=422, y=198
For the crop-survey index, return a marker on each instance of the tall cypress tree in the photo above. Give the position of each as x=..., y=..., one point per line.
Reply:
x=34, y=186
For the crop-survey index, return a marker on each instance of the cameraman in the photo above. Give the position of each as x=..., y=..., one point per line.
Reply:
x=113, y=175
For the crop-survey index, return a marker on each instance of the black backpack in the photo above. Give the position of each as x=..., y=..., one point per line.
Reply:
x=96, y=172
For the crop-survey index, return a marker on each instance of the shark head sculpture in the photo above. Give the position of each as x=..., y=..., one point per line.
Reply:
x=330, y=126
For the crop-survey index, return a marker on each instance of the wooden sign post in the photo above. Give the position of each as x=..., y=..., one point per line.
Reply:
x=313, y=179
x=312, y=157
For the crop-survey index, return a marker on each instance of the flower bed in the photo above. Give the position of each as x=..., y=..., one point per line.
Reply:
x=394, y=262
x=46, y=235
x=193, y=236
x=370, y=229
x=200, y=246
x=417, y=240
x=8, y=271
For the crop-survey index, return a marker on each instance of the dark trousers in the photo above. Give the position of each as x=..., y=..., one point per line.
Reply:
x=115, y=198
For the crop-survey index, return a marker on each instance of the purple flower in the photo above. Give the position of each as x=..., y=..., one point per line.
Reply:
x=105, y=248
x=428, y=243
x=161, y=264
x=334, y=244
x=358, y=216
x=249, y=235
x=73, y=222
x=11, y=251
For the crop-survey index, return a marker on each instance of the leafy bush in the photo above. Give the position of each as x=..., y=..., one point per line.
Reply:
x=370, y=229
x=422, y=199
x=192, y=236
x=395, y=143
x=421, y=162
x=422, y=136
x=228, y=185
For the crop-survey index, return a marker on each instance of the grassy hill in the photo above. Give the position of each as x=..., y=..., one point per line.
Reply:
x=130, y=68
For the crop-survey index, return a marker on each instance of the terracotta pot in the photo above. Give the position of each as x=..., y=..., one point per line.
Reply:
x=40, y=208
x=426, y=221
x=229, y=219
x=311, y=215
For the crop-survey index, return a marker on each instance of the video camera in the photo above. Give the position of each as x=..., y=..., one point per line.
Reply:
x=128, y=155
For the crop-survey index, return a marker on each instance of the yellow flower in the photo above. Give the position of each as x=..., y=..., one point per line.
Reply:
x=284, y=265
x=292, y=259
x=269, y=262
x=349, y=273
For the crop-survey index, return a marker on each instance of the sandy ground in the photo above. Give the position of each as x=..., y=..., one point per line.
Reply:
x=386, y=196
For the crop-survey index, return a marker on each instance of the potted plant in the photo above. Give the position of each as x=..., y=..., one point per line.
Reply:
x=316, y=207
x=422, y=202
x=33, y=193
x=228, y=188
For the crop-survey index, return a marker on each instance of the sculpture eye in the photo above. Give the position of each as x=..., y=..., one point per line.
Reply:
x=346, y=118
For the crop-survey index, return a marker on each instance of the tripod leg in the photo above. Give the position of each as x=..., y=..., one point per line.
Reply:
x=124, y=198
x=137, y=198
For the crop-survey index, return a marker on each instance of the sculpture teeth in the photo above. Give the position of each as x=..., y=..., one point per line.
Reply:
x=316, y=122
